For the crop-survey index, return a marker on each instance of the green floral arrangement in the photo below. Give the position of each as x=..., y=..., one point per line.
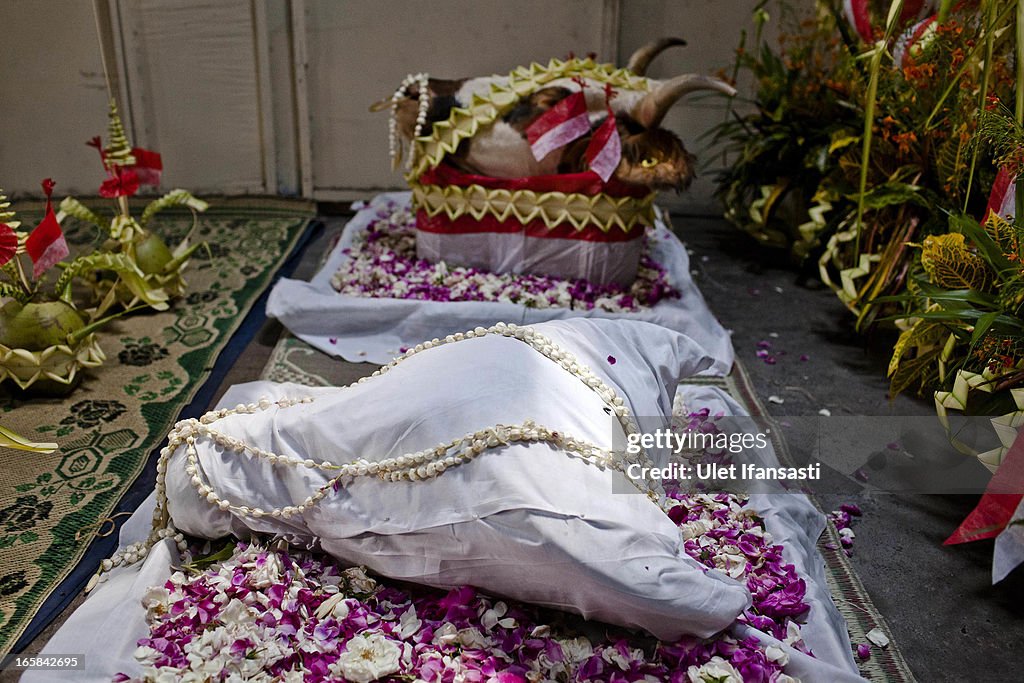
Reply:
x=863, y=135
x=45, y=339
x=128, y=168
x=962, y=314
x=879, y=148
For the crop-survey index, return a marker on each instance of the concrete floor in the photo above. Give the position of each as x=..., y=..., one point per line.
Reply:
x=946, y=617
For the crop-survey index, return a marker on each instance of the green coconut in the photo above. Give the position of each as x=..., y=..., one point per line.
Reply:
x=152, y=254
x=36, y=326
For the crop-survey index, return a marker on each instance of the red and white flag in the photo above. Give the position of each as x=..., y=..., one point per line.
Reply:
x=45, y=245
x=605, y=149
x=148, y=166
x=1003, y=198
x=558, y=126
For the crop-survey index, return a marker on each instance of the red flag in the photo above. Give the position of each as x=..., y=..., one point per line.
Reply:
x=46, y=245
x=148, y=166
x=605, y=149
x=1002, y=496
x=8, y=243
x=558, y=126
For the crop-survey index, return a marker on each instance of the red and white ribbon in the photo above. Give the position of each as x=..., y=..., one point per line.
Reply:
x=605, y=149
x=558, y=126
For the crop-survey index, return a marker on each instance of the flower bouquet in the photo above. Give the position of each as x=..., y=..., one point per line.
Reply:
x=45, y=340
x=127, y=169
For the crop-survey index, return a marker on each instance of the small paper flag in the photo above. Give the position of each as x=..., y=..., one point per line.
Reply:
x=558, y=126
x=45, y=245
x=605, y=149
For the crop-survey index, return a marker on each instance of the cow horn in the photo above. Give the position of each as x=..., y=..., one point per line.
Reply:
x=649, y=111
x=641, y=59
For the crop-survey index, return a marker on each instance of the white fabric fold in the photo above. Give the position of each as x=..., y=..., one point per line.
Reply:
x=361, y=329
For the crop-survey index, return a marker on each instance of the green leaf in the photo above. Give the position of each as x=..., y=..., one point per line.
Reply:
x=988, y=249
x=72, y=207
x=891, y=193
x=224, y=553
x=982, y=326
x=173, y=198
x=10, y=439
x=129, y=274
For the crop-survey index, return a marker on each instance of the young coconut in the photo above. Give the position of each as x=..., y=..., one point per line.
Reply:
x=44, y=339
x=127, y=169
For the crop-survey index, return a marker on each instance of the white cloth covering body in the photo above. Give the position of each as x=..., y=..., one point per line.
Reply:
x=112, y=619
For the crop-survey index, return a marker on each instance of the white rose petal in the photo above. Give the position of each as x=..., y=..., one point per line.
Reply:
x=878, y=638
x=409, y=624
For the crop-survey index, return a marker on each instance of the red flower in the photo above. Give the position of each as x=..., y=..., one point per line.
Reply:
x=121, y=183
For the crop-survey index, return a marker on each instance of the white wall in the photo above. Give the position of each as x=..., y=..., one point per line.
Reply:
x=272, y=96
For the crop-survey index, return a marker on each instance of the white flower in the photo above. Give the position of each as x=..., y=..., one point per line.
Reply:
x=358, y=581
x=715, y=671
x=697, y=527
x=335, y=606
x=409, y=624
x=235, y=614
x=490, y=618
x=776, y=654
x=793, y=635
x=732, y=561
x=367, y=658
x=267, y=573
x=576, y=649
x=446, y=635
x=612, y=655
x=156, y=600
x=472, y=638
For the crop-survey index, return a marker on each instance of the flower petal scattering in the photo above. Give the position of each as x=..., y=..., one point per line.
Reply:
x=293, y=615
x=383, y=264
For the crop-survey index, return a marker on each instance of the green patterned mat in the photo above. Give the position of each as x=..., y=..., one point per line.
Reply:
x=52, y=505
x=292, y=360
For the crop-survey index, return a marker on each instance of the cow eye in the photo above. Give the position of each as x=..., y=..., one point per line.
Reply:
x=649, y=162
